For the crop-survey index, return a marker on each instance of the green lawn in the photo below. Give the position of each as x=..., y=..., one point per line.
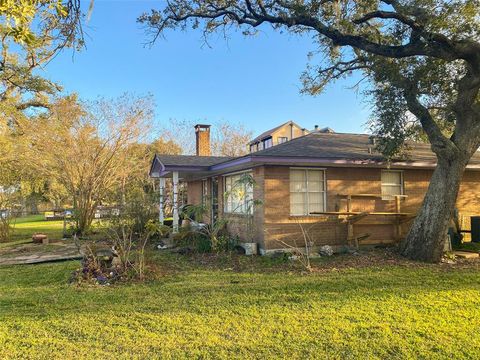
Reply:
x=25, y=227
x=200, y=310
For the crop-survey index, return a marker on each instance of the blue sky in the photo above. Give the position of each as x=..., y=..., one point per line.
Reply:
x=253, y=81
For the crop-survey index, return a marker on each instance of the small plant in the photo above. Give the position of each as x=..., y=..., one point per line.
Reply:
x=449, y=257
x=9, y=199
x=302, y=256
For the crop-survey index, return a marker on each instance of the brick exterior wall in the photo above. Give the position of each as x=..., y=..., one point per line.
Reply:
x=275, y=228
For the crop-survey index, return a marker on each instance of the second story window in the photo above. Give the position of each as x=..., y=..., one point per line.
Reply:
x=282, y=139
x=267, y=143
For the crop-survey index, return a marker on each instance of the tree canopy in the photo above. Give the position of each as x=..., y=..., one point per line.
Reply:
x=31, y=34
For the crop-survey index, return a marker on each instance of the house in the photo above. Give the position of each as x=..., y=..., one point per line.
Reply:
x=335, y=186
x=278, y=135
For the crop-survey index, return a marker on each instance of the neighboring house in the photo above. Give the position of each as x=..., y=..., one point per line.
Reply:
x=336, y=185
x=276, y=136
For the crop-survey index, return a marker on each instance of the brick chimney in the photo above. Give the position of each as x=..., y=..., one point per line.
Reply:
x=202, y=133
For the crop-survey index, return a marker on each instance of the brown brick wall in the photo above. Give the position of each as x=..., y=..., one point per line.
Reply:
x=282, y=228
x=194, y=192
x=275, y=227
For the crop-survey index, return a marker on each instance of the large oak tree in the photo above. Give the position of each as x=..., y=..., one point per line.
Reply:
x=420, y=57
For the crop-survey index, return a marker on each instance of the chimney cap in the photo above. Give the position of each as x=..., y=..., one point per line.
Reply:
x=203, y=126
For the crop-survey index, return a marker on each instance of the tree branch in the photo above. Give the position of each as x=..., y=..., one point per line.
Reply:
x=388, y=15
x=31, y=104
x=441, y=145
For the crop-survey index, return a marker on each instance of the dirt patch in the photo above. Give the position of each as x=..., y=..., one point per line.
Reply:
x=363, y=259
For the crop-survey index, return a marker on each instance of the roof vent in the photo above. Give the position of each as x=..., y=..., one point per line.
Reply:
x=326, y=130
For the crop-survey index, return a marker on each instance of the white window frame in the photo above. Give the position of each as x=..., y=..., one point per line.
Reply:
x=382, y=184
x=228, y=202
x=307, y=189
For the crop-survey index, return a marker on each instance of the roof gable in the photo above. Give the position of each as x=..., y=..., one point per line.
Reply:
x=270, y=132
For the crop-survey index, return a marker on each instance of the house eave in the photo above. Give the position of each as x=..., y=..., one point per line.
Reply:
x=251, y=161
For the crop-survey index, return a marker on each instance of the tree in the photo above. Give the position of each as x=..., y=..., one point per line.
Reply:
x=227, y=139
x=421, y=58
x=85, y=148
x=230, y=139
x=31, y=34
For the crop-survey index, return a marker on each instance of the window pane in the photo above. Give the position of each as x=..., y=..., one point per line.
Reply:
x=391, y=177
x=315, y=186
x=391, y=184
x=297, y=186
x=315, y=175
x=315, y=202
x=298, y=205
x=297, y=175
x=391, y=190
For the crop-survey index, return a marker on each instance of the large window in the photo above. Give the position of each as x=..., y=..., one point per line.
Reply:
x=307, y=191
x=392, y=184
x=239, y=194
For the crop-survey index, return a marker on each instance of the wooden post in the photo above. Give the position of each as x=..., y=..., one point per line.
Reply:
x=161, y=217
x=175, y=202
x=349, y=232
x=398, y=229
x=349, y=203
x=397, y=203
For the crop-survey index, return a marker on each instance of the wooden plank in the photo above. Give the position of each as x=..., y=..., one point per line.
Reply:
x=379, y=242
x=397, y=203
x=466, y=254
x=368, y=195
x=358, y=217
x=358, y=212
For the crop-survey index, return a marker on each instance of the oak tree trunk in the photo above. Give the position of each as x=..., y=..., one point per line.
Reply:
x=426, y=238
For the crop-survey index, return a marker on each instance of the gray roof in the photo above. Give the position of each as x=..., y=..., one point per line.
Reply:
x=345, y=146
x=191, y=160
x=328, y=148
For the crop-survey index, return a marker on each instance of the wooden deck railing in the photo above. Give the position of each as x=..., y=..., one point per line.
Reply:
x=353, y=217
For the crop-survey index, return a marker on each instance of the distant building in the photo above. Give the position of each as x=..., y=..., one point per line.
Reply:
x=278, y=135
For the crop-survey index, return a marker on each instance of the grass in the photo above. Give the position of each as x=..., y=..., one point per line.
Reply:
x=25, y=227
x=269, y=311
x=231, y=307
